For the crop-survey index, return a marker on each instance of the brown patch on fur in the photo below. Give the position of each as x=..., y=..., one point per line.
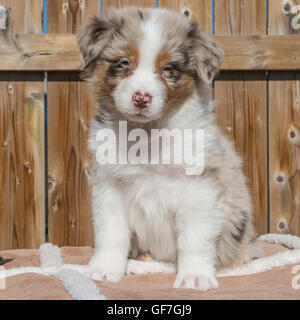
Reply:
x=180, y=84
x=162, y=60
x=133, y=55
x=114, y=70
x=106, y=78
x=179, y=92
x=104, y=37
x=98, y=80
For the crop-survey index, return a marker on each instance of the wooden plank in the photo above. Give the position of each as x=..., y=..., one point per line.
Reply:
x=65, y=16
x=284, y=131
x=69, y=112
x=199, y=11
x=38, y=52
x=22, y=184
x=241, y=102
x=106, y=4
x=6, y=227
x=280, y=23
x=59, y=52
x=260, y=52
x=241, y=113
x=240, y=17
x=25, y=16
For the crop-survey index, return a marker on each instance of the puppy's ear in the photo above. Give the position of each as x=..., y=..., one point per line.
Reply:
x=92, y=39
x=206, y=54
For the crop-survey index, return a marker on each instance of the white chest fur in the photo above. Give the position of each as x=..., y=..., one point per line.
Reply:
x=151, y=201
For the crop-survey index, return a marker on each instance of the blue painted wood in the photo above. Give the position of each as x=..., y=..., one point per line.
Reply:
x=45, y=17
x=212, y=16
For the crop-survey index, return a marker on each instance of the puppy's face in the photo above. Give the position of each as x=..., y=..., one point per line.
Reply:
x=144, y=62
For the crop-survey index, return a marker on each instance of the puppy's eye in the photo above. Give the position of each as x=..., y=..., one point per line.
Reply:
x=170, y=71
x=168, y=68
x=123, y=63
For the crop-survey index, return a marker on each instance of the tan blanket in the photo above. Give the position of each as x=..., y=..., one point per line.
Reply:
x=273, y=284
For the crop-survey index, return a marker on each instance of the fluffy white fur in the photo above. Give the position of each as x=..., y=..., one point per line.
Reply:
x=154, y=203
x=198, y=222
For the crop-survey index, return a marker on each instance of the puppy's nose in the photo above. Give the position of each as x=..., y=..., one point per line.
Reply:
x=141, y=100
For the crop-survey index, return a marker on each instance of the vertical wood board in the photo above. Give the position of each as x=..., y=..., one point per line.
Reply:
x=22, y=183
x=22, y=188
x=69, y=113
x=199, y=11
x=241, y=98
x=284, y=133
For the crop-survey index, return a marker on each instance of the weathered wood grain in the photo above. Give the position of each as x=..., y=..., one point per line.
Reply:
x=26, y=16
x=69, y=113
x=59, y=52
x=38, y=52
x=6, y=230
x=280, y=23
x=284, y=133
x=241, y=113
x=242, y=102
x=106, y=4
x=65, y=16
x=240, y=17
x=22, y=184
x=199, y=11
x=260, y=52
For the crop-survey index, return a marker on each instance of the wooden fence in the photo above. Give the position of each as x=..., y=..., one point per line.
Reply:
x=45, y=110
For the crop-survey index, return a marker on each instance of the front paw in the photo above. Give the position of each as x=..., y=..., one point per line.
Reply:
x=108, y=268
x=109, y=275
x=197, y=282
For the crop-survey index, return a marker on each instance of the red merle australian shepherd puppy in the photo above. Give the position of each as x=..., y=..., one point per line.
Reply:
x=151, y=69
